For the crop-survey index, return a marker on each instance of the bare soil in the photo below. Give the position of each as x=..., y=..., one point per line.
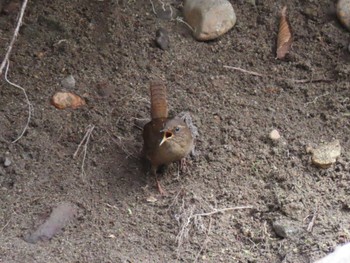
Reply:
x=108, y=46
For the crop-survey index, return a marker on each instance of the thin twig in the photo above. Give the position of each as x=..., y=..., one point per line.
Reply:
x=312, y=222
x=246, y=71
x=84, y=141
x=257, y=74
x=30, y=106
x=7, y=223
x=315, y=99
x=215, y=211
x=15, y=34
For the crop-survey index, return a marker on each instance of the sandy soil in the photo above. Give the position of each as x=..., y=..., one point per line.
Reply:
x=108, y=46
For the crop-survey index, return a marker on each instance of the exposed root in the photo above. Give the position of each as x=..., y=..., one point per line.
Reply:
x=30, y=106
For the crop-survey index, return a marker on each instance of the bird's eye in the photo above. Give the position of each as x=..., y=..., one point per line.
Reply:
x=177, y=129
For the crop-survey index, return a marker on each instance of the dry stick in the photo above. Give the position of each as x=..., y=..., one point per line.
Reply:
x=85, y=139
x=263, y=75
x=15, y=34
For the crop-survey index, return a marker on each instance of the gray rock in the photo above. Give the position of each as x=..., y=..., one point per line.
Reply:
x=286, y=228
x=209, y=19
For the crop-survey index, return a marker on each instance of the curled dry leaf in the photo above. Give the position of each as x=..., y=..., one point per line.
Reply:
x=285, y=36
x=63, y=100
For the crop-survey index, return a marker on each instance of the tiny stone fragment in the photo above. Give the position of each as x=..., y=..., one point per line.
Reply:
x=59, y=218
x=286, y=228
x=7, y=162
x=275, y=135
x=68, y=82
x=162, y=38
x=325, y=155
x=63, y=100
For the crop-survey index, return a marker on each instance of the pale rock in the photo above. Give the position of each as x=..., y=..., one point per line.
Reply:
x=325, y=155
x=209, y=19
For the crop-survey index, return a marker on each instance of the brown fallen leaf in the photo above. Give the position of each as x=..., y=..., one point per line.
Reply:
x=285, y=36
x=63, y=100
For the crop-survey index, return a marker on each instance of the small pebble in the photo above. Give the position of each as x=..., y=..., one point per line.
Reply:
x=68, y=82
x=162, y=38
x=63, y=100
x=326, y=154
x=275, y=135
x=343, y=12
x=7, y=162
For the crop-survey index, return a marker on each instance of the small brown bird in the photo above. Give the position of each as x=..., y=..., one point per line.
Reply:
x=165, y=140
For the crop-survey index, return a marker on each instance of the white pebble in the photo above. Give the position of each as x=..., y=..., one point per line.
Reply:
x=275, y=135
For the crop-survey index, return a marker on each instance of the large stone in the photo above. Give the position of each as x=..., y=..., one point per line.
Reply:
x=343, y=12
x=209, y=19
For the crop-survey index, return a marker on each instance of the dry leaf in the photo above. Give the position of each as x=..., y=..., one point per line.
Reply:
x=285, y=36
x=63, y=100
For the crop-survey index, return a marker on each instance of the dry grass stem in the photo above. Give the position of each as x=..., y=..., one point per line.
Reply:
x=85, y=142
x=313, y=220
x=205, y=242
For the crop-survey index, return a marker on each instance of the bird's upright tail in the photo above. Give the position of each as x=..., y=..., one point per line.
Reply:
x=159, y=104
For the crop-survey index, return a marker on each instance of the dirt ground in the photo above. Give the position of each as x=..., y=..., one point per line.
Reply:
x=108, y=46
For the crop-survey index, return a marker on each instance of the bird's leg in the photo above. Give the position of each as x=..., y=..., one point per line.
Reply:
x=159, y=186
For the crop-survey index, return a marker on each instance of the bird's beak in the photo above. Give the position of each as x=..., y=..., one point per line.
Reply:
x=167, y=135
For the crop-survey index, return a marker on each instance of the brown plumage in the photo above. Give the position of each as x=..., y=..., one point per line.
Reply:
x=285, y=36
x=166, y=140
